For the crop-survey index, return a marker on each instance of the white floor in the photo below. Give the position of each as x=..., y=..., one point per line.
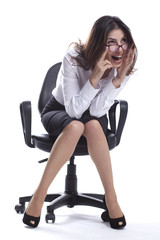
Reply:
x=77, y=223
x=138, y=198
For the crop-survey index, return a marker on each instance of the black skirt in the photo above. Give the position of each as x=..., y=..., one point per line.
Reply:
x=55, y=118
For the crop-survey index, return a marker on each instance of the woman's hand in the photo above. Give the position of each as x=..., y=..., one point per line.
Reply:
x=101, y=66
x=125, y=67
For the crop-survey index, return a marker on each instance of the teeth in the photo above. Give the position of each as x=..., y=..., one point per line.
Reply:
x=117, y=57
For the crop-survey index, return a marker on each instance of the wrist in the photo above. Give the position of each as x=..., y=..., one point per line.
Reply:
x=117, y=82
x=93, y=82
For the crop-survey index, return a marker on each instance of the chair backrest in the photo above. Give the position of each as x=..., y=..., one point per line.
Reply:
x=48, y=85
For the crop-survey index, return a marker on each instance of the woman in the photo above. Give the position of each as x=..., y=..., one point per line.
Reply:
x=90, y=78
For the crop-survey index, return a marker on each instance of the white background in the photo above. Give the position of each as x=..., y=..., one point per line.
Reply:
x=35, y=34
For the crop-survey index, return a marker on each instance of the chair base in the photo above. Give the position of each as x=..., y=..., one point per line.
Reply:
x=69, y=198
x=64, y=199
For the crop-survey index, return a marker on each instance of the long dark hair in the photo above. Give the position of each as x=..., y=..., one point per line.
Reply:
x=90, y=52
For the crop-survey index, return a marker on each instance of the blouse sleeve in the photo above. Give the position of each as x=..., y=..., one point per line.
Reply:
x=105, y=98
x=77, y=98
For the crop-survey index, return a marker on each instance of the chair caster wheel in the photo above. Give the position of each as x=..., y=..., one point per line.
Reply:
x=50, y=218
x=105, y=216
x=20, y=208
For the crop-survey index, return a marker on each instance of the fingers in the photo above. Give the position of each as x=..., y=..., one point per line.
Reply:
x=103, y=56
x=133, y=55
x=102, y=65
x=108, y=64
x=103, y=59
x=132, y=50
x=130, y=55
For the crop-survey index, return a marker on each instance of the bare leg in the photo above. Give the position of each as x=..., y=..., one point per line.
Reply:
x=60, y=153
x=99, y=152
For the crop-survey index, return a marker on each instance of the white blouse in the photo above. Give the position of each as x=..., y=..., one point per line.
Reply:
x=75, y=92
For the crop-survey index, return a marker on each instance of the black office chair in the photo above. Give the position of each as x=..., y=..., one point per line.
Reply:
x=44, y=142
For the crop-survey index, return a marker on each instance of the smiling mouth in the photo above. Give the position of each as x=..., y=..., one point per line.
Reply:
x=117, y=59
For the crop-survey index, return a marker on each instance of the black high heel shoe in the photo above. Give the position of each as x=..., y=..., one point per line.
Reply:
x=30, y=220
x=116, y=223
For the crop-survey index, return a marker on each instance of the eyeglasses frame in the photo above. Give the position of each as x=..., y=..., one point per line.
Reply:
x=117, y=46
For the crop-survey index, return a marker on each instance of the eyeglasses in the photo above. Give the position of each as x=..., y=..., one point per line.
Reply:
x=115, y=47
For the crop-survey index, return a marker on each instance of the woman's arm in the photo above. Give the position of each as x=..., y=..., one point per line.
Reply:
x=105, y=98
x=77, y=98
x=111, y=88
x=100, y=68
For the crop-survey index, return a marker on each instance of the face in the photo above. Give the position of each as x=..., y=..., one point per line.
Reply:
x=115, y=52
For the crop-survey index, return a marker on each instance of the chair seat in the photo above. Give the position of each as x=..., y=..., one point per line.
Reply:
x=45, y=143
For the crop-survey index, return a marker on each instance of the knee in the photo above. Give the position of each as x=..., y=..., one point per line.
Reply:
x=75, y=129
x=92, y=129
